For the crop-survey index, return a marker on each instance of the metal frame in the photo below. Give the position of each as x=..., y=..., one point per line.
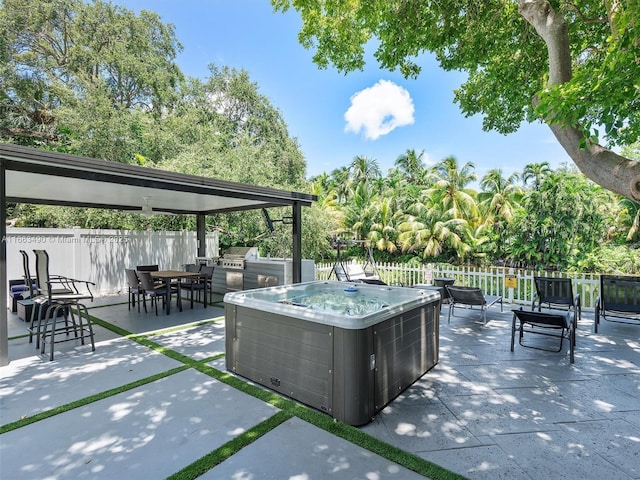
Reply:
x=619, y=300
x=541, y=323
x=471, y=296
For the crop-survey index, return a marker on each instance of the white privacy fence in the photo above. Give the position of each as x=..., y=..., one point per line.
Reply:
x=100, y=256
x=514, y=285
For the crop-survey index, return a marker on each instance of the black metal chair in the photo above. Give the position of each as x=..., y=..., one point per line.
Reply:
x=23, y=290
x=154, y=290
x=202, y=283
x=28, y=279
x=562, y=325
x=135, y=289
x=60, y=295
x=40, y=301
x=556, y=293
x=444, y=283
x=472, y=297
x=619, y=299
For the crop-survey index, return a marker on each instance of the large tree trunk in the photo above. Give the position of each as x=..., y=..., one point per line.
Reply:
x=608, y=169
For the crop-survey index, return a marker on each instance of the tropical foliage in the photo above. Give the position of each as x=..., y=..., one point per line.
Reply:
x=538, y=218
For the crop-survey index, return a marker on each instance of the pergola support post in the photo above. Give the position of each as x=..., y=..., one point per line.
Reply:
x=4, y=321
x=297, y=241
x=201, y=227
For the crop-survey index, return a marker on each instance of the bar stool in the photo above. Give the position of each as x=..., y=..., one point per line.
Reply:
x=80, y=331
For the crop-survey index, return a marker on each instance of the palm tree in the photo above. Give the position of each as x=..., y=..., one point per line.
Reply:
x=498, y=201
x=384, y=232
x=410, y=163
x=499, y=197
x=341, y=183
x=432, y=236
x=431, y=229
x=358, y=212
x=364, y=169
x=450, y=189
x=536, y=172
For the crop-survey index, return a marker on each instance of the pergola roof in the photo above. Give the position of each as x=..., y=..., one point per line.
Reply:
x=51, y=178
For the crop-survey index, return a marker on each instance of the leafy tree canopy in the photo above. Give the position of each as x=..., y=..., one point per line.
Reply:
x=573, y=64
x=70, y=70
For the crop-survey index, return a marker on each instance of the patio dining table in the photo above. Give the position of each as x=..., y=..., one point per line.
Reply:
x=168, y=276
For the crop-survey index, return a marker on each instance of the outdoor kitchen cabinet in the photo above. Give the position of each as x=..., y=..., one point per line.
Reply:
x=261, y=272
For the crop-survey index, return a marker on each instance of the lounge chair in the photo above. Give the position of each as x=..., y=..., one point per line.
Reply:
x=619, y=299
x=471, y=296
x=556, y=293
x=351, y=272
x=563, y=325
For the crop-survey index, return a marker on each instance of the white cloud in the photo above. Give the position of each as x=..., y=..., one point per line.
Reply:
x=378, y=110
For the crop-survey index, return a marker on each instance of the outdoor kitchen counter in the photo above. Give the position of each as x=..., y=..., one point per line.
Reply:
x=261, y=272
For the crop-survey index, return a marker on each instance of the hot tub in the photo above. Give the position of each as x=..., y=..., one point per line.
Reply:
x=346, y=349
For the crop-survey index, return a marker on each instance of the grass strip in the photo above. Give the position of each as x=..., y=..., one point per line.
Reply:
x=87, y=400
x=18, y=337
x=212, y=358
x=110, y=326
x=219, y=455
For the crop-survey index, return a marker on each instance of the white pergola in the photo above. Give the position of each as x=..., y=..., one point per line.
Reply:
x=29, y=175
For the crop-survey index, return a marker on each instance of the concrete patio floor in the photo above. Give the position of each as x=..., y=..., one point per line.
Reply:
x=483, y=412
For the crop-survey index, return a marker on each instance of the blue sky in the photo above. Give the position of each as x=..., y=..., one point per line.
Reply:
x=335, y=117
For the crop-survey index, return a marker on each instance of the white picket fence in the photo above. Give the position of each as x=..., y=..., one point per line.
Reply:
x=492, y=280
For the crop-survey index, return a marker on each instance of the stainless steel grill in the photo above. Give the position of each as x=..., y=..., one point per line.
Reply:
x=235, y=257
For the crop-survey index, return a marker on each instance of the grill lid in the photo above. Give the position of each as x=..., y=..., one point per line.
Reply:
x=241, y=253
x=235, y=257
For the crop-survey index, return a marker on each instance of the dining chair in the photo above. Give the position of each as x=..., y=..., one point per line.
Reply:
x=150, y=268
x=200, y=284
x=154, y=290
x=135, y=289
x=207, y=272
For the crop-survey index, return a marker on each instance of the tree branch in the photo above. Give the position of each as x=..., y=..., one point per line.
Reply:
x=25, y=133
x=608, y=169
x=586, y=19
